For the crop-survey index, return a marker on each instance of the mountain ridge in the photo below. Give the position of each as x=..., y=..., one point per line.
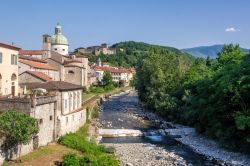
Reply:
x=205, y=51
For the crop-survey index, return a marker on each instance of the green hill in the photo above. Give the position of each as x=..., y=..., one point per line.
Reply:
x=130, y=53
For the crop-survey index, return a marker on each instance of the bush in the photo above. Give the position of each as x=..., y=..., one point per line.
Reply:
x=70, y=159
x=93, y=154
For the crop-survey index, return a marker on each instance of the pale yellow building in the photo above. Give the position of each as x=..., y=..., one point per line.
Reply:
x=8, y=70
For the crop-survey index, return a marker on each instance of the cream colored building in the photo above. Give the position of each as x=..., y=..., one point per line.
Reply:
x=8, y=70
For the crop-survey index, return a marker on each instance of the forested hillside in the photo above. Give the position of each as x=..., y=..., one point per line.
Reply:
x=213, y=96
x=130, y=53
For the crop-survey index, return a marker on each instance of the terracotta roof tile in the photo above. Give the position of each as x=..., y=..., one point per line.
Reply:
x=40, y=75
x=38, y=65
x=9, y=46
x=53, y=85
x=111, y=69
x=66, y=61
x=31, y=58
x=30, y=52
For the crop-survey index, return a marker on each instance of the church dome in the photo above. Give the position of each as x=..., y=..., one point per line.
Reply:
x=58, y=38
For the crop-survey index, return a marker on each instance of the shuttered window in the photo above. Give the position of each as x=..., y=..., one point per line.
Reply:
x=13, y=59
x=1, y=57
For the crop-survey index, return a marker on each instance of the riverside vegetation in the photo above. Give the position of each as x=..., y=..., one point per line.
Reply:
x=92, y=154
x=210, y=94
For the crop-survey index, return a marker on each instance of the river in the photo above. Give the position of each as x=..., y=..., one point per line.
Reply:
x=123, y=111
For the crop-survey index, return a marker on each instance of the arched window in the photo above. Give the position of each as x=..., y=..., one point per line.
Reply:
x=13, y=77
x=13, y=84
x=71, y=72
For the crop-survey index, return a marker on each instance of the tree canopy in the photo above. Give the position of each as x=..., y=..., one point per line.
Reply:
x=212, y=95
x=17, y=127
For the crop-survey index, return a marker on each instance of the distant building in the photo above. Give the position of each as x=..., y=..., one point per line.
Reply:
x=119, y=74
x=8, y=70
x=97, y=50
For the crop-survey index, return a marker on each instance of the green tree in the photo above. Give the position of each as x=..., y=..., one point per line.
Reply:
x=17, y=128
x=230, y=54
x=107, y=79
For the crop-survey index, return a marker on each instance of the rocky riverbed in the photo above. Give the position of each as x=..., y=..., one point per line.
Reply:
x=156, y=148
x=146, y=154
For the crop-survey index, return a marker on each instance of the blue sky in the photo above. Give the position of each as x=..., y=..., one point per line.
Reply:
x=177, y=23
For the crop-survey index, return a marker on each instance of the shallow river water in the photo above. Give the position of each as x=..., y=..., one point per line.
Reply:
x=123, y=111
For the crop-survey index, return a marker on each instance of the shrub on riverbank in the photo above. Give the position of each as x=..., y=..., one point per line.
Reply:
x=93, y=154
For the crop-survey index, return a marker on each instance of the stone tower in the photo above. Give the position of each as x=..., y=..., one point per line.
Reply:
x=46, y=46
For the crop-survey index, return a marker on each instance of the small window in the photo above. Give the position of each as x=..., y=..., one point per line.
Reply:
x=1, y=57
x=55, y=49
x=71, y=72
x=66, y=103
x=13, y=59
x=50, y=117
x=67, y=120
x=63, y=49
x=40, y=121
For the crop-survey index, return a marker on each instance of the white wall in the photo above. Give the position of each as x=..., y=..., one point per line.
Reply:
x=61, y=49
x=72, y=122
x=6, y=71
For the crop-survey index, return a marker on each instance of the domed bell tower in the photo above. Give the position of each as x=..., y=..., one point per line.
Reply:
x=59, y=43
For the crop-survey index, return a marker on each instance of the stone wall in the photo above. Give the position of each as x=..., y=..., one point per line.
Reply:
x=71, y=122
x=74, y=75
x=42, y=108
x=28, y=78
x=20, y=104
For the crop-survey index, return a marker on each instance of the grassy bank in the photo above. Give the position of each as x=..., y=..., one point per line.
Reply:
x=92, y=154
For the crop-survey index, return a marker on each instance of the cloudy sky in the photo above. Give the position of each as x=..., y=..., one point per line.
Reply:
x=177, y=23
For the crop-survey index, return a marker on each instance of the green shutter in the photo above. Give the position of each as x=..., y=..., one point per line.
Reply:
x=1, y=57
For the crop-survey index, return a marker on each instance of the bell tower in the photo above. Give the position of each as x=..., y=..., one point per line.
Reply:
x=46, y=46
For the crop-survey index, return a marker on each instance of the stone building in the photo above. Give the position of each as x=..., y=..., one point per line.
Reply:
x=8, y=69
x=97, y=50
x=69, y=116
x=119, y=75
x=39, y=54
x=38, y=67
x=71, y=68
x=33, y=76
x=42, y=108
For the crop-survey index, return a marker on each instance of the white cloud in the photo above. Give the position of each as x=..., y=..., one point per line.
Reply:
x=231, y=29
